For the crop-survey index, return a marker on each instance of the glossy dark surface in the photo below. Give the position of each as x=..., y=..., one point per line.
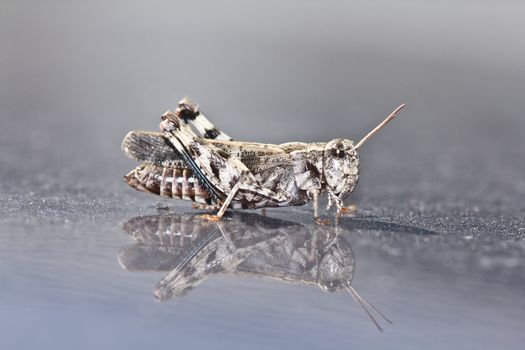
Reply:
x=438, y=239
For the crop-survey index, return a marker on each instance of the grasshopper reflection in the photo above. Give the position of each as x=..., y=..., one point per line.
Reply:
x=248, y=245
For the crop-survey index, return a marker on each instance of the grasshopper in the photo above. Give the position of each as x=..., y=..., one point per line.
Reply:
x=193, y=160
x=248, y=245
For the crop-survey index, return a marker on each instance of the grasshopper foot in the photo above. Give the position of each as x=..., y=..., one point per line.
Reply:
x=210, y=217
x=350, y=210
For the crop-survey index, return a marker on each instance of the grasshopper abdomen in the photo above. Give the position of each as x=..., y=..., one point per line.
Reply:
x=170, y=182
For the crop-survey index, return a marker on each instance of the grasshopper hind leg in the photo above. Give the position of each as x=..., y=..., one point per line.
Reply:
x=222, y=174
x=247, y=184
x=190, y=113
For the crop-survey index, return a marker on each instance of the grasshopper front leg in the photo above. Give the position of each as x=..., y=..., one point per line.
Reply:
x=342, y=210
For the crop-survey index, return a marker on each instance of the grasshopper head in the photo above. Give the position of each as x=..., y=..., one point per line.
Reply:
x=336, y=265
x=340, y=168
x=341, y=163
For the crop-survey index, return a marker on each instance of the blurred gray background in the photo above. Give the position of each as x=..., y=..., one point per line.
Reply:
x=76, y=76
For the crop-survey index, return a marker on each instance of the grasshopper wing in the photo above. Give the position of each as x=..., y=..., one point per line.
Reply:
x=152, y=148
x=258, y=157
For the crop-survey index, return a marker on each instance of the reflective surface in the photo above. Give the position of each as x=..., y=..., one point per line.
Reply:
x=249, y=245
x=69, y=283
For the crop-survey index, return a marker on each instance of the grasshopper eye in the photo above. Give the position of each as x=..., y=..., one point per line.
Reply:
x=338, y=153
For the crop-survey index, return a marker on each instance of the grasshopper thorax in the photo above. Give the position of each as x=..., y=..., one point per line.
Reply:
x=340, y=169
x=332, y=167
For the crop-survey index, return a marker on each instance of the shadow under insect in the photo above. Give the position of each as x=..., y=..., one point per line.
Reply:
x=250, y=245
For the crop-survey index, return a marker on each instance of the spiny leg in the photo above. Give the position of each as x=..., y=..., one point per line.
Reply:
x=214, y=167
x=218, y=169
x=249, y=184
x=189, y=111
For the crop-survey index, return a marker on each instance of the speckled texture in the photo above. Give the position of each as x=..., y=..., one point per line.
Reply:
x=439, y=232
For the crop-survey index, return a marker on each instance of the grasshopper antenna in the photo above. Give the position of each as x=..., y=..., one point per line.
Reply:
x=365, y=305
x=380, y=126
